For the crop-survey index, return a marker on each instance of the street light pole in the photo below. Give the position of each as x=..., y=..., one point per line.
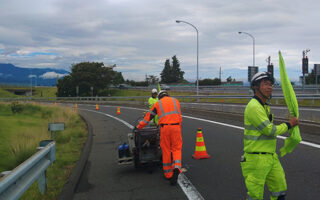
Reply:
x=253, y=39
x=178, y=21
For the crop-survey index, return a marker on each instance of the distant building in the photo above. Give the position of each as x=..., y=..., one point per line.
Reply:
x=252, y=71
x=317, y=69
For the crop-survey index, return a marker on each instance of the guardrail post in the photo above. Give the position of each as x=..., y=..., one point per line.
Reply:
x=42, y=182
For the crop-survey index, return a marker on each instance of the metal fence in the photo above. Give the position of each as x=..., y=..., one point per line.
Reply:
x=14, y=183
x=202, y=98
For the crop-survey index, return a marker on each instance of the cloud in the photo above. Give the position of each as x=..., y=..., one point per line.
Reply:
x=51, y=75
x=140, y=35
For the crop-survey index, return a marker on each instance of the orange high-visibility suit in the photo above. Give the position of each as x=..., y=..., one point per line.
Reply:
x=169, y=113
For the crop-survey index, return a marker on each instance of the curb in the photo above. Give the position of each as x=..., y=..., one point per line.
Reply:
x=71, y=185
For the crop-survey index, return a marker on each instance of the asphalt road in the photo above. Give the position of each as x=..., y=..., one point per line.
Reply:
x=216, y=178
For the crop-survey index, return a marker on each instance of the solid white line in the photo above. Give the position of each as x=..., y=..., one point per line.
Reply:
x=120, y=120
x=190, y=191
x=187, y=187
x=230, y=125
x=243, y=106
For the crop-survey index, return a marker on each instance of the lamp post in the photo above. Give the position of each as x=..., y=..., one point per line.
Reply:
x=253, y=39
x=178, y=21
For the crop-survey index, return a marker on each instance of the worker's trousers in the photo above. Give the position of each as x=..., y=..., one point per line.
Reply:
x=258, y=169
x=171, y=143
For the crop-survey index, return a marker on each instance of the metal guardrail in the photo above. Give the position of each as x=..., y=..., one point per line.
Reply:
x=299, y=96
x=312, y=97
x=14, y=183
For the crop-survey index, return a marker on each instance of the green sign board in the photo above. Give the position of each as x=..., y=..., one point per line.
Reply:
x=55, y=126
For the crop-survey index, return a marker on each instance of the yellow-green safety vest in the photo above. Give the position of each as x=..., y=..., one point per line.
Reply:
x=152, y=101
x=259, y=132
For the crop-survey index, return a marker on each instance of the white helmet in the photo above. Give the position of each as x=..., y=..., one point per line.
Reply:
x=259, y=76
x=154, y=91
x=162, y=93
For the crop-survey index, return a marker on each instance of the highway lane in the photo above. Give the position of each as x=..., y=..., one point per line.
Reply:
x=307, y=114
x=216, y=178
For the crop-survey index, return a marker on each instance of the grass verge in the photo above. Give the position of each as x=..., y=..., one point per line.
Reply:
x=21, y=132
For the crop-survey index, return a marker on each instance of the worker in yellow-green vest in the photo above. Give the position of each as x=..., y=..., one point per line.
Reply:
x=260, y=163
x=152, y=100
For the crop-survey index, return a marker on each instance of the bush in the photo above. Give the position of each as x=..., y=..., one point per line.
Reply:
x=16, y=107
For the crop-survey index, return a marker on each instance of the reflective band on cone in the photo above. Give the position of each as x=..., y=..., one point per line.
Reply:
x=200, y=152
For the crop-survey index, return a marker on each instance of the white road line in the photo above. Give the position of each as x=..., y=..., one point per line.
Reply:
x=120, y=120
x=229, y=125
x=243, y=106
x=187, y=187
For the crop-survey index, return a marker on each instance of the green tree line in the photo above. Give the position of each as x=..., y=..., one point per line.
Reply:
x=88, y=79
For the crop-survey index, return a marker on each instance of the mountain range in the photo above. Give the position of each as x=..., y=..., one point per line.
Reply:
x=12, y=75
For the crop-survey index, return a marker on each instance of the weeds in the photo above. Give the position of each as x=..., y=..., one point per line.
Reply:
x=20, y=134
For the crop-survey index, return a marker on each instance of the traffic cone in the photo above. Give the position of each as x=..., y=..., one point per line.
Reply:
x=97, y=107
x=118, y=110
x=200, y=152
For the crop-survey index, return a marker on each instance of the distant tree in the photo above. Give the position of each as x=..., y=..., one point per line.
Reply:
x=177, y=74
x=230, y=79
x=151, y=79
x=165, y=74
x=311, y=78
x=86, y=75
x=208, y=81
x=66, y=87
x=172, y=73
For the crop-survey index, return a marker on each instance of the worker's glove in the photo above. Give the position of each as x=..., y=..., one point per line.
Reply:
x=135, y=129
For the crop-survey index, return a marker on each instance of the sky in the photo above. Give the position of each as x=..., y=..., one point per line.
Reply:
x=139, y=35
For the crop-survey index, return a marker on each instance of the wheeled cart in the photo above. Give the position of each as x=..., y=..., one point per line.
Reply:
x=144, y=148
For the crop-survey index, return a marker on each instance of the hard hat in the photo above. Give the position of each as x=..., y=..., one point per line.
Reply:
x=258, y=77
x=162, y=93
x=154, y=91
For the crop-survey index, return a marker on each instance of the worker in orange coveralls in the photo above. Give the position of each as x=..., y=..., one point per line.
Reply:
x=169, y=113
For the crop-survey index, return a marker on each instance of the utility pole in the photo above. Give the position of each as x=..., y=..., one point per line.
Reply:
x=304, y=66
x=268, y=60
x=220, y=73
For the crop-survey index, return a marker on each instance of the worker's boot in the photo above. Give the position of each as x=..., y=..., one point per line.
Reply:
x=174, y=178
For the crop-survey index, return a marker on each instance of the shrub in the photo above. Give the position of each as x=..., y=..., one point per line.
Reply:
x=16, y=107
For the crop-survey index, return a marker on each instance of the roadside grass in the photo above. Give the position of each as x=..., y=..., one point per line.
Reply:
x=20, y=134
x=45, y=91
x=8, y=91
x=5, y=94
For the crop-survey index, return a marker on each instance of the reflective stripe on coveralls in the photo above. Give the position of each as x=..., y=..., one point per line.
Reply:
x=170, y=136
x=260, y=136
x=169, y=112
x=175, y=111
x=171, y=144
x=260, y=133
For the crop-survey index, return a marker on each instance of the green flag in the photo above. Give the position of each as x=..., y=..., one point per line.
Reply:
x=292, y=104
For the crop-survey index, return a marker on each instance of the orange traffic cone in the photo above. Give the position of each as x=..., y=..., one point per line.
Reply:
x=97, y=107
x=118, y=110
x=200, y=151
